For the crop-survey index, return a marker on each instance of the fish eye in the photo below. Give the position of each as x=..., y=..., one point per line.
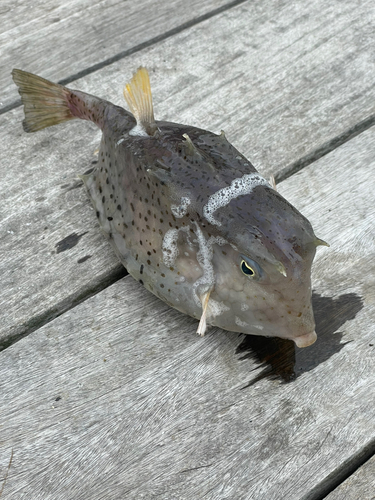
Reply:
x=250, y=268
x=246, y=269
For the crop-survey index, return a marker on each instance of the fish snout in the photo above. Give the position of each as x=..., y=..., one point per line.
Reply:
x=306, y=339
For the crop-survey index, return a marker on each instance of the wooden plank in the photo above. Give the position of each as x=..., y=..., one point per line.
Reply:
x=61, y=39
x=108, y=402
x=271, y=89
x=360, y=485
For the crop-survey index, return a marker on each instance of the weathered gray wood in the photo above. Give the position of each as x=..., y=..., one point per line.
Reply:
x=262, y=86
x=361, y=485
x=118, y=398
x=61, y=39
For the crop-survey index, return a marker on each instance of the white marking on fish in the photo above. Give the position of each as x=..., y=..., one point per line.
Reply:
x=181, y=210
x=138, y=131
x=244, y=307
x=204, y=258
x=240, y=322
x=170, y=247
x=241, y=186
x=216, y=308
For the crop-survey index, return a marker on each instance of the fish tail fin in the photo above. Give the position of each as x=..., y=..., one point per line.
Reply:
x=45, y=103
x=138, y=95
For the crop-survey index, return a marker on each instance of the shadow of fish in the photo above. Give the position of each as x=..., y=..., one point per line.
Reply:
x=189, y=216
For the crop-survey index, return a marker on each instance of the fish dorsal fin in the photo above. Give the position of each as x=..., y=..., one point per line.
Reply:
x=138, y=95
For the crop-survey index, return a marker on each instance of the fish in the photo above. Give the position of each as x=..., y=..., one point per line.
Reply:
x=188, y=215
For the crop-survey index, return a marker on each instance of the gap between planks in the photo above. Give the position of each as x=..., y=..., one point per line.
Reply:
x=66, y=305
x=344, y=472
x=137, y=48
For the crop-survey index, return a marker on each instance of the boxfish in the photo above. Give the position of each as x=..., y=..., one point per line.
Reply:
x=188, y=215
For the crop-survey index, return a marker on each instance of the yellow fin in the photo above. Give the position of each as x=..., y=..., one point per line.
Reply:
x=138, y=95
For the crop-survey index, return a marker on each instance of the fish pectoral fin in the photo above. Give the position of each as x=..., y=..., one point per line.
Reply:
x=138, y=95
x=203, y=323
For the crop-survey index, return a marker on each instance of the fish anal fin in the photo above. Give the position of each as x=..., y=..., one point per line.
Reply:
x=138, y=95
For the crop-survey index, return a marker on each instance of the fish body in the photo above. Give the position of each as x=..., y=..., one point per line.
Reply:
x=188, y=215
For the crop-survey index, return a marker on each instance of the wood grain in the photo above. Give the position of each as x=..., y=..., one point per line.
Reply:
x=60, y=39
x=118, y=398
x=281, y=89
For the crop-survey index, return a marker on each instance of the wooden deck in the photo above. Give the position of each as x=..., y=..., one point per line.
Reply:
x=106, y=392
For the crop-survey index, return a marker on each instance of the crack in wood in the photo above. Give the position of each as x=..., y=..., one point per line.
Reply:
x=196, y=468
x=6, y=473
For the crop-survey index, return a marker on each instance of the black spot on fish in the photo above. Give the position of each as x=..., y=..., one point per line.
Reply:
x=141, y=269
x=83, y=259
x=141, y=282
x=68, y=242
x=110, y=218
x=281, y=359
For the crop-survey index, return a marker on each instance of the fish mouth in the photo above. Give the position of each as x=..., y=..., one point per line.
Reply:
x=305, y=340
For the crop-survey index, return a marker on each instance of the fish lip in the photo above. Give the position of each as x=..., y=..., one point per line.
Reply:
x=306, y=339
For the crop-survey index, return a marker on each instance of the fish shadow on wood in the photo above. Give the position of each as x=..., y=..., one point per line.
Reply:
x=280, y=358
